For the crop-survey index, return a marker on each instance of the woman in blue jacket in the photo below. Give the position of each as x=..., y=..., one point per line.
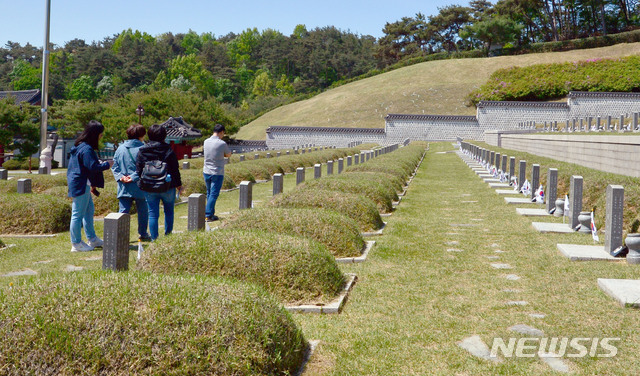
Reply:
x=124, y=171
x=85, y=170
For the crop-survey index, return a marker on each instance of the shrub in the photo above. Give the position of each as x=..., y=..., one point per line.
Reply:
x=34, y=214
x=357, y=207
x=382, y=195
x=338, y=233
x=294, y=269
x=139, y=323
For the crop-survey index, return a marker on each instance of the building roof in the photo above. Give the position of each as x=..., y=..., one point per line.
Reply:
x=522, y=104
x=247, y=143
x=277, y=128
x=178, y=130
x=30, y=96
x=430, y=117
x=603, y=94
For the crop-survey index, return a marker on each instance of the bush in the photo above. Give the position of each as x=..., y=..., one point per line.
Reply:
x=377, y=192
x=338, y=233
x=34, y=214
x=138, y=323
x=294, y=269
x=357, y=207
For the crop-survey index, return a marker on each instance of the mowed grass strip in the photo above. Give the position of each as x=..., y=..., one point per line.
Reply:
x=294, y=269
x=102, y=323
x=416, y=300
x=337, y=232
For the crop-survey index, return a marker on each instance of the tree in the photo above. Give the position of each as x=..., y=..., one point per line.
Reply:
x=495, y=30
x=445, y=26
x=262, y=84
x=24, y=76
x=21, y=121
x=82, y=88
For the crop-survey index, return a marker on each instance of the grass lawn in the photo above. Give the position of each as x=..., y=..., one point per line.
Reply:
x=414, y=300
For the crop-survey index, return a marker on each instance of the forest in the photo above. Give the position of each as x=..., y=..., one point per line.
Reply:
x=234, y=78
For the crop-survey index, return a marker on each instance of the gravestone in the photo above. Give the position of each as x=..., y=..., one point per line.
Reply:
x=278, y=184
x=356, y=159
x=340, y=165
x=613, y=217
x=317, y=171
x=268, y=155
x=598, y=122
x=4, y=174
x=278, y=154
x=242, y=158
x=185, y=156
x=329, y=167
x=186, y=165
x=522, y=170
x=24, y=186
x=349, y=160
x=609, y=122
x=575, y=200
x=287, y=152
x=492, y=158
x=299, y=175
x=256, y=156
x=621, y=124
x=43, y=171
x=497, y=161
x=551, y=193
x=115, y=251
x=196, y=212
x=504, y=163
x=566, y=126
x=535, y=179
x=246, y=195
x=635, y=122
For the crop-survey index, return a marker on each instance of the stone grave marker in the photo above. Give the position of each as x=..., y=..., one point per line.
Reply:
x=575, y=200
x=24, y=186
x=4, y=174
x=613, y=217
x=512, y=167
x=242, y=158
x=522, y=170
x=340, y=165
x=329, y=167
x=299, y=175
x=535, y=179
x=246, y=195
x=115, y=251
x=356, y=159
x=317, y=171
x=196, y=211
x=551, y=194
x=504, y=163
x=186, y=165
x=278, y=183
x=349, y=160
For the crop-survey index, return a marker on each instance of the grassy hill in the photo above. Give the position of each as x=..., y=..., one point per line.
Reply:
x=435, y=87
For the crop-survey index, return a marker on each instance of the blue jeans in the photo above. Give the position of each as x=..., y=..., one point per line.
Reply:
x=143, y=212
x=82, y=210
x=214, y=184
x=168, y=199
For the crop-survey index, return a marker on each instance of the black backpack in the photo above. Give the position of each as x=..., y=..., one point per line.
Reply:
x=154, y=177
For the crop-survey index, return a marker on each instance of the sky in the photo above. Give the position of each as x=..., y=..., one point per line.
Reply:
x=22, y=21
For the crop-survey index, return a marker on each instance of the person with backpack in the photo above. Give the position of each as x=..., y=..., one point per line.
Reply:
x=124, y=171
x=84, y=171
x=159, y=177
x=215, y=150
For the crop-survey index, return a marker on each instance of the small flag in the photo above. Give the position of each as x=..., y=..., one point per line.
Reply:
x=594, y=230
x=526, y=188
x=140, y=249
x=566, y=205
x=514, y=183
x=539, y=196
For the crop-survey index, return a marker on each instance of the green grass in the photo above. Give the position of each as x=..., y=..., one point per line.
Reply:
x=338, y=233
x=376, y=191
x=436, y=87
x=294, y=269
x=33, y=213
x=107, y=323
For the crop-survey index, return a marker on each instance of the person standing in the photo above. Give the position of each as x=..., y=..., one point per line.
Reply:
x=124, y=171
x=156, y=159
x=85, y=170
x=215, y=150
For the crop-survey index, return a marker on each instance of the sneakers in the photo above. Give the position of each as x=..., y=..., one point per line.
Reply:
x=96, y=242
x=145, y=238
x=214, y=218
x=81, y=247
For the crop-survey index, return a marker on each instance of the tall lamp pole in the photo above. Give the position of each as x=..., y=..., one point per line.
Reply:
x=140, y=113
x=45, y=78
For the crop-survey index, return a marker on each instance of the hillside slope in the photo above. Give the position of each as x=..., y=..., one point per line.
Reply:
x=435, y=87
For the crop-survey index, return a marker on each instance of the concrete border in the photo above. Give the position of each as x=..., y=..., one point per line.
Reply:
x=313, y=344
x=628, y=296
x=367, y=247
x=333, y=307
x=375, y=233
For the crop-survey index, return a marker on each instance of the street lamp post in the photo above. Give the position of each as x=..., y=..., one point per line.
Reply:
x=140, y=113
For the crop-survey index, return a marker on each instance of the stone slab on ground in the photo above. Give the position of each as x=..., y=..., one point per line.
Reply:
x=333, y=307
x=73, y=268
x=374, y=233
x=527, y=330
x=555, y=362
x=512, y=277
x=476, y=346
x=562, y=228
x=625, y=291
x=532, y=212
x=347, y=260
x=20, y=273
x=577, y=252
x=501, y=185
x=517, y=303
x=518, y=200
x=492, y=180
x=501, y=266
x=537, y=315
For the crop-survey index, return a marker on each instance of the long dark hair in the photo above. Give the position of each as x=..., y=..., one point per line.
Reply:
x=91, y=134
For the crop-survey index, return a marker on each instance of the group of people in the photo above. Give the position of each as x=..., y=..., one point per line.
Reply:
x=146, y=174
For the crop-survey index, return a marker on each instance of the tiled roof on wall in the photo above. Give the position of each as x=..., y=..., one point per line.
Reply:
x=278, y=128
x=522, y=104
x=603, y=94
x=248, y=143
x=430, y=117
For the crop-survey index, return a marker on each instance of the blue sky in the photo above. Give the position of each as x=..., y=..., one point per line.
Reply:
x=22, y=21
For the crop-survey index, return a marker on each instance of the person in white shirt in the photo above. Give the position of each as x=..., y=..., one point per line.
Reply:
x=215, y=150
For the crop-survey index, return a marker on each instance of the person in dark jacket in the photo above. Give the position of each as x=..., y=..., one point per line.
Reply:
x=158, y=150
x=85, y=170
x=124, y=171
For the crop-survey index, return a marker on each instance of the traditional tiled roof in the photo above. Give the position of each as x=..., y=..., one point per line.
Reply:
x=603, y=94
x=430, y=117
x=29, y=96
x=274, y=128
x=177, y=129
x=522, y=104
x=248, y=143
